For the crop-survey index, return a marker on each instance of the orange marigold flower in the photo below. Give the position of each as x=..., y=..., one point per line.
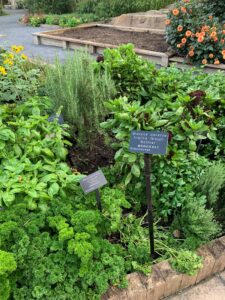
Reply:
x=211, y=55
x=200, y=39
x=223, y=31
x=191, y=53
x=204, y=61
x=202, y=33
x=216, y=61
x=186, y=1
x=205, y=28
x=176, y=12
x=223, y=52
x=183, y=9
x=167, y=22
x=213, y=34
x=179, y=28
x=188, y=33
x=184, y=40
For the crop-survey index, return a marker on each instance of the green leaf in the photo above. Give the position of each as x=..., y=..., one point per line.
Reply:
x=128, y=178
x=135, y=170
x=53, y=189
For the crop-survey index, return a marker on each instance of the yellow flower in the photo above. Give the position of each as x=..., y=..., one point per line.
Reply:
x=17, y=49
x=3, y=71
x=23, y=56
x=11, y=56
x=8, y=61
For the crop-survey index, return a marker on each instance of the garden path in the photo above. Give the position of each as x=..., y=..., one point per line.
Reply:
x=14, y=33
x=212, y=289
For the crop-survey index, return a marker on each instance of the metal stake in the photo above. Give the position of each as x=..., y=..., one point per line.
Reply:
x=98, y=200
x=148, y=162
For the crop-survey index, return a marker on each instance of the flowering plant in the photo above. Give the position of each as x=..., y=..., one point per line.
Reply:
x=16, y=82
x=197, y=36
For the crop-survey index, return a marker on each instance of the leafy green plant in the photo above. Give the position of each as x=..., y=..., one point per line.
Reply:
x=132, y=75
x=16, y=84
x=216, y=8
x=81, y=92
x=186, y=128
x=211, y=183
x=33, y=152
x=187, y=262
x=48, y=6
x=37, y=20
x=7, y=266
x=195, y=221
x=115, y=7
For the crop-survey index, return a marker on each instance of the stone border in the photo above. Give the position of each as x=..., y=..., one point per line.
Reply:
x=164, y=281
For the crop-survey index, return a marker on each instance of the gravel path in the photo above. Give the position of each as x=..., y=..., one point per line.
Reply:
x=14, y=33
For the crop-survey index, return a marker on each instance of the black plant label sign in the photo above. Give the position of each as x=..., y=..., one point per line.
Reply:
x=149, y=142
x=93, y=182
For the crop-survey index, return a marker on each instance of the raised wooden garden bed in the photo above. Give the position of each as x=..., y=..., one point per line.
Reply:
x=148, y=43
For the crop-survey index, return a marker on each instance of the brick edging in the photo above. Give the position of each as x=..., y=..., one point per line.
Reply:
x=164, y=281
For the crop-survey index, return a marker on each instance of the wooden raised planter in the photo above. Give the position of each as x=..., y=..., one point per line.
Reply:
x=164, y=281
x=51, y=38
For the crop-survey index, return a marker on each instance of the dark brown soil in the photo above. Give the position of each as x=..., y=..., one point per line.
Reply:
x=87, y=161
x=141, y=40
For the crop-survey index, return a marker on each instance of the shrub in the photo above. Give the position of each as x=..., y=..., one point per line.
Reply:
x=48, y=6
x=132, y=75
x=81, y=92
x=195, y=222
x=198, y=37
x=113, y=8
x=216, y=7
x=211, y=183
x=16, y=84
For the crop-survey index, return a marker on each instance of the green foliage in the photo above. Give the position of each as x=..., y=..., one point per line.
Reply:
x=32, y=155
x=48, y=6
x=187, y=104
x=211, y=183
x=195, y=221
x=16, y=83
x=81, y=92
x=113, y=8
x=7, y=266
x=182, y=161
x=187, y=262
x=63, y=251
x=7, y=263
x=65, y=20
x=216, y=7
x=132, y=75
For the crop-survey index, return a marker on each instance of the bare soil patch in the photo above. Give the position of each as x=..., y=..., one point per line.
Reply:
x=142, y=40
